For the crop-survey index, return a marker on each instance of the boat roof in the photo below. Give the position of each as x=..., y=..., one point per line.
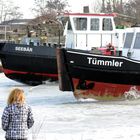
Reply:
x=91, y=14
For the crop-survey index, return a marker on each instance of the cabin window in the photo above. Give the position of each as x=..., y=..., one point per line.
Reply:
x=128, y=40
x=107, y=24
x=137, y=41
x=94, y=24
x=80, y=23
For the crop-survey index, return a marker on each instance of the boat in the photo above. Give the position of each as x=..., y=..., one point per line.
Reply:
x=99, y=61
x=29, y=62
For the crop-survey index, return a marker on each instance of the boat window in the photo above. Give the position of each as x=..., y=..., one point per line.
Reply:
x=107, y=24
x=94, y=24
x=80, y=23
x=128, y=40
x=137, y=41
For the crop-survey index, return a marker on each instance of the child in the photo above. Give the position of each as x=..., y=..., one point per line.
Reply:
x=17, y=116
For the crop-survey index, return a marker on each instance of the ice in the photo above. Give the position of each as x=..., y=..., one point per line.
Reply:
x=59, y=116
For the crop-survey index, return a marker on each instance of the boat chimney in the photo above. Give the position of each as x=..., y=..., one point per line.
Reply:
x=86, y=9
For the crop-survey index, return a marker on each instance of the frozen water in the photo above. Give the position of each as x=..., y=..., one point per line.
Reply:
x=59, y=116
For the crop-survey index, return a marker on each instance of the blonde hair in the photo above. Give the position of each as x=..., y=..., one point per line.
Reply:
x=16, y=96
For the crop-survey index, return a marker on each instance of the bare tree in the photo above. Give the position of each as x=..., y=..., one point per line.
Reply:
x=133, y=8
x=50, y=7
x=8, y=11
x=96, y=7
x=103, y=6
x=109, y=6
x=39, y=8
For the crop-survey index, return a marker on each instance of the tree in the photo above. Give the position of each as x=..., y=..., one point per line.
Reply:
x=128, y=11
x=8, y=11
x=48, y=10
x=109, y=6
x=50, y=7
x=133, y=7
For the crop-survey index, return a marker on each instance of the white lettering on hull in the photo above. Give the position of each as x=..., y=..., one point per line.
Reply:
x=24, y=49
x=110, y=63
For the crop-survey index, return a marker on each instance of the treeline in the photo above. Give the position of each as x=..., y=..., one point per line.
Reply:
x=49, y=9
x=129, y=8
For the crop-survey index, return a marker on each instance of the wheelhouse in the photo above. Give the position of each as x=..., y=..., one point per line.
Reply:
x=86, y=31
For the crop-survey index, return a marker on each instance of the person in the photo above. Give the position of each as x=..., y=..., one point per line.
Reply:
x=17, y=116
x=110, y=47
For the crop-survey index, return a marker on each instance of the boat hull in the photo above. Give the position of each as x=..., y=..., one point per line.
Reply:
x=97, y=76
x=104, y=91
x=29, y=64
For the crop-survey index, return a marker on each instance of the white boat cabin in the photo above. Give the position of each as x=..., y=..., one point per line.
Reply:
x=85, y=31
x=131, y=47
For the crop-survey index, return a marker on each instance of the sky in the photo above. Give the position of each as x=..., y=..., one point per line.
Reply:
x=27, y=5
